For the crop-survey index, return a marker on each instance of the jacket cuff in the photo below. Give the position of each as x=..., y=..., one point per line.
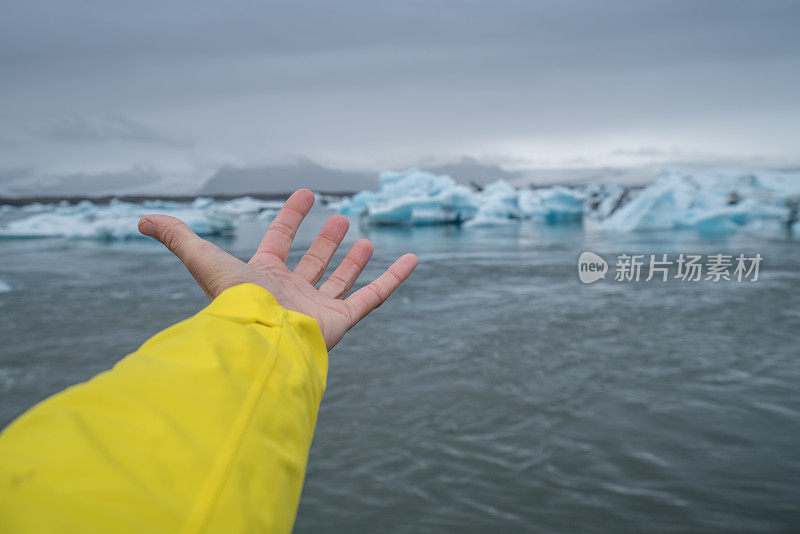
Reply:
x=249, y=303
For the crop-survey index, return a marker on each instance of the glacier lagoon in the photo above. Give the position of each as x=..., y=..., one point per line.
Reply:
x=118, y=219
x=710, y=202
x=494, y=391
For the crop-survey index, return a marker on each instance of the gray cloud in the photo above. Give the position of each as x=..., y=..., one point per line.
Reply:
x=105, y=130
x=362, y=85
x=25, y=182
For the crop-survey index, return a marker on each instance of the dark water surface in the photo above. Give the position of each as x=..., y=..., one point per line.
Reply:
x=494, y=392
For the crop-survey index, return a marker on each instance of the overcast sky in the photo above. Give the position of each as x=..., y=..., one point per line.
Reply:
x=167, y=92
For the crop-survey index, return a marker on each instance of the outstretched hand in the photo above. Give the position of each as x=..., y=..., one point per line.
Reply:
x=216, y=270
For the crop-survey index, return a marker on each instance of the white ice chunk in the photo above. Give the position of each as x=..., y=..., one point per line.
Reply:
x=718, y=201
x=238, y=208
x=553, y=204
x=414, y=197
x=116, y=220
x=355, y=205
x=498, y=203
x=712, y=200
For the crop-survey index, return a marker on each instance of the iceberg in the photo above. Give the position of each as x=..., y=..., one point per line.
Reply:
x=553, y=204
x=118, y=219
x=498, y=204
x=416, y=197
x=355, y=205
x=716, y=201
x=5, y=287
x=712, y=200
x=238, y=208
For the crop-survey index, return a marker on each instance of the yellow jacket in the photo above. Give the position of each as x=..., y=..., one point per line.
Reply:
x=205, y=428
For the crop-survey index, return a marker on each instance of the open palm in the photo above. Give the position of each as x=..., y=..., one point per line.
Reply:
x=336, y=313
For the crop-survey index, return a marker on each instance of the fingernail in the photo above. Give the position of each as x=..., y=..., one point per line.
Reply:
x=147, y=228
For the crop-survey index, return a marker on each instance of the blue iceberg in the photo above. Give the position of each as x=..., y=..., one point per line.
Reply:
x=414, y=197
x=355, y=205
x=497, y=204
x=553, y=204
x=118, y=219
x=712, y=201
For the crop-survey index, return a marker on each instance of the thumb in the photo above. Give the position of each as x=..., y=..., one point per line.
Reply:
x=203, y=259
x=173, y=233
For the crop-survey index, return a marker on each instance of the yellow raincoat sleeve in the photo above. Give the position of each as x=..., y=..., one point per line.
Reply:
x=205, y=428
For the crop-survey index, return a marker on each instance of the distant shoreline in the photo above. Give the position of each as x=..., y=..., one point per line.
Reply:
x=105, y=199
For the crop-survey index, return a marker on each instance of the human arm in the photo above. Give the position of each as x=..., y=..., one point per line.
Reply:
x=205, y=428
